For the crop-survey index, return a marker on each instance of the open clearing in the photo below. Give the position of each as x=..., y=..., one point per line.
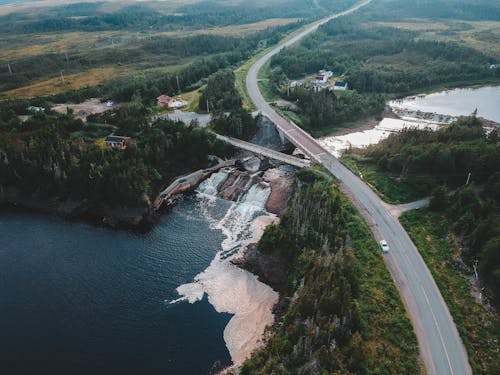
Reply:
x=480, y=35
x=73, y=81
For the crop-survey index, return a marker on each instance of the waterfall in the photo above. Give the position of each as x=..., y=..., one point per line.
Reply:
x=209, y=186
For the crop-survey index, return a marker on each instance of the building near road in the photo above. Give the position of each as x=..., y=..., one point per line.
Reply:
x=166, y=101
x=116, y=142
x=33, y=109
x=323, y=76
x=295, y=84
x=340, y=86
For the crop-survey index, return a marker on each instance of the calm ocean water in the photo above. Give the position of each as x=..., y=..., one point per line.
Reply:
x=78, y=299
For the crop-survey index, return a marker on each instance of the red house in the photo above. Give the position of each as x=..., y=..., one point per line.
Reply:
x=117, y=142
x=164, y=100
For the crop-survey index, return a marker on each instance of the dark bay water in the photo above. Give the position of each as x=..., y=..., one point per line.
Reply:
x=78, y=299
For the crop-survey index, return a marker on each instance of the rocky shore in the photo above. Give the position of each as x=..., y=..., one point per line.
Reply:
x=136, y=217
x=142, y=217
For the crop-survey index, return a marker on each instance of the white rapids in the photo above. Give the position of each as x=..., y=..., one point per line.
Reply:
x=231, y=289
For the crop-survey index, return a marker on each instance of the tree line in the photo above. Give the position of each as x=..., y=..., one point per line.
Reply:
x=407, y=63
x=139, y=17
x=214, y=51
x=45, y=157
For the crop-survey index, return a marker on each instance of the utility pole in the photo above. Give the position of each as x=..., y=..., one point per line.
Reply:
x=67, y=58
x=178, y=85
x=62, y=78
x=10, y=70
x=468, y=179
x=208, y=109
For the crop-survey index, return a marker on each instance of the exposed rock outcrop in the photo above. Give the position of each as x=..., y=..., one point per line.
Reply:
x=138, y=217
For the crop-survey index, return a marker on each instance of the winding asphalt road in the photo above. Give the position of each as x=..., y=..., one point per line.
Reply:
x=440, y=345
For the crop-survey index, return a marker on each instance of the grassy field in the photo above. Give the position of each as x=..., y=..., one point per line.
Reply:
x=84, y=54
x=480, y=35
x=386, y=322
x=72, y=81
x=389, y=188
x=479, y=328
x=15, y=47
x=264, y=84
x=241, y=85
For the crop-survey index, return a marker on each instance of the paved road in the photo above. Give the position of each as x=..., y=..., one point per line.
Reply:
x=440, y=345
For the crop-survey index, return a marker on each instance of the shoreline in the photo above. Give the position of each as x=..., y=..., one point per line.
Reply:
x=138, y=218
x=255, y=297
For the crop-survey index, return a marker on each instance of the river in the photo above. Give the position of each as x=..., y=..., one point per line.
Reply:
x=422, y=111
x=79, y=299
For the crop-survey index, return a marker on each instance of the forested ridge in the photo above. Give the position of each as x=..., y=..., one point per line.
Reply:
x=338, y=320
x=435, y=9
x=204, y=14
x=49, y=156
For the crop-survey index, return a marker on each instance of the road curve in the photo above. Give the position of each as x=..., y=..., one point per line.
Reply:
x=440, y=345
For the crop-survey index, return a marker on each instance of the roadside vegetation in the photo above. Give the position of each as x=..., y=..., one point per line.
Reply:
x=344, y=314
x=389, y=186
x=441, y=244
x=457, y=236
x=410, y=164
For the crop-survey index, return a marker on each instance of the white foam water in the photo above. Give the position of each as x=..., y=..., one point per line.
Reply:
x=337, y=144
x=231, y=289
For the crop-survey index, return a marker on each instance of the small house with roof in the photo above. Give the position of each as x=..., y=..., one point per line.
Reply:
x=340, y=86
x=164, y=100
x=323, y=76
x=116, y=142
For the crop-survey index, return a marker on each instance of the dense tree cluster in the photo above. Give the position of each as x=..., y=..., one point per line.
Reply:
x=450, y=153
x=220, y=92
x=225, y=105
x=325, y=108
x=239, y=123
x=323, y=330
x=46, y=157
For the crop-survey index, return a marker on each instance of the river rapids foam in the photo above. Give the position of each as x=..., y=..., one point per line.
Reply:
x=231, y=289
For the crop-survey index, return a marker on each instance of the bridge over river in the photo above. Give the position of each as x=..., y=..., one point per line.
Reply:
x=264, y=151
